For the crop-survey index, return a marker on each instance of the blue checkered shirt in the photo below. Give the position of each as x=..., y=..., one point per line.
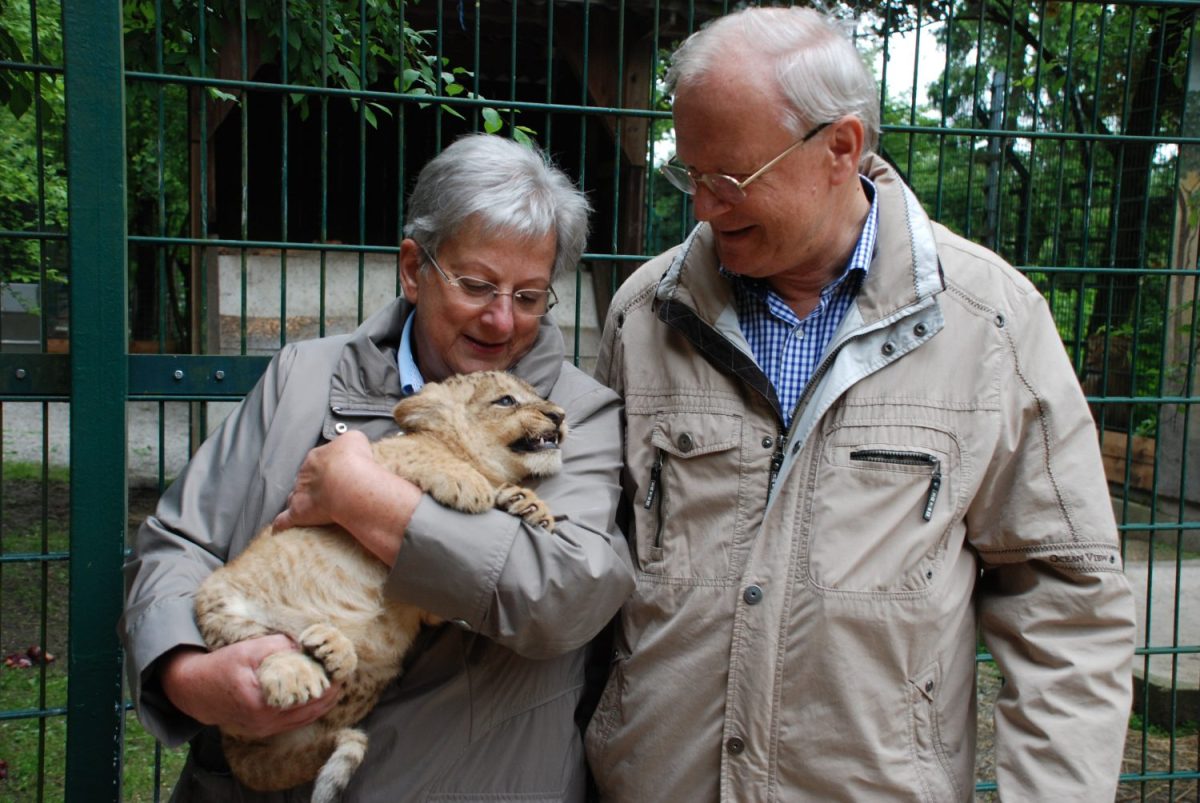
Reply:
x=787, y=348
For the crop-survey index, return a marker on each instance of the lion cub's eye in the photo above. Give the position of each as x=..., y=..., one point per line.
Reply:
x=506, y=401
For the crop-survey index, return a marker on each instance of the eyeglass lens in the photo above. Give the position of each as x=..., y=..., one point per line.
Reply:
x=480, y=292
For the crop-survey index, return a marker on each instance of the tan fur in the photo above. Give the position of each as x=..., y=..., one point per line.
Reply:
x=466, y=442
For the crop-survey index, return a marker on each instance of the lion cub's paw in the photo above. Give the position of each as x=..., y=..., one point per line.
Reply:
x=526, y=504
x=470, y=494
x=332, y=649
x=291, y=678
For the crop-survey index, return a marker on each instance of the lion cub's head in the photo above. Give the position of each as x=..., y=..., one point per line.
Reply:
x=497, y=418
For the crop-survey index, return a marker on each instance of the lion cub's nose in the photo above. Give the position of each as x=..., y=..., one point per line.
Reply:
x=554, y=416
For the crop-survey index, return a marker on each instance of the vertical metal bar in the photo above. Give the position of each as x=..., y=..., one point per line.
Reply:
x=244, y=156
x=547, y=120
x=325, y=162
x=967, y=227
x=476, y=70
x=43, y=285
x=363, y=33
x=944, y=106
x=401, y=129
x=512, y=59
x=284, y=100
x=912, y=103
x=437, y=84
x=1089, y=148
x=95, y=92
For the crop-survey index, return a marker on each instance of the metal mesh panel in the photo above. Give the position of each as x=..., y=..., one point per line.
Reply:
x=255, y=191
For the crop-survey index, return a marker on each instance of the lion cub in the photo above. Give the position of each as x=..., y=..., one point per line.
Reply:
x=467, y=441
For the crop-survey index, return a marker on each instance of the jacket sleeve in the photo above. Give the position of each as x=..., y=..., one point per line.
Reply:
x=1056, y=610
x=216, y=503
x=537, y=593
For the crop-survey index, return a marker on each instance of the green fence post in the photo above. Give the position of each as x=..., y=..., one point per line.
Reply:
x=95, y=94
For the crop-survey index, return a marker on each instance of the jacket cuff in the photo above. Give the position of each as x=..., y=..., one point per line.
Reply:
x=149, y=636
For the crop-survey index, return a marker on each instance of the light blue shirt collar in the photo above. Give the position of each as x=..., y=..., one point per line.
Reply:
x=410, y=375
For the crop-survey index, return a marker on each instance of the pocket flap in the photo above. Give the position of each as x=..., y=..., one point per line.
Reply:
x=689, y=435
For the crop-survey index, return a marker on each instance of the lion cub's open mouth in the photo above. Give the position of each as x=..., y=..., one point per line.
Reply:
x=535, y=443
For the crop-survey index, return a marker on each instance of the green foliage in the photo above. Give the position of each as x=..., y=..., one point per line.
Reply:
x=316, y=43
x=33, y=187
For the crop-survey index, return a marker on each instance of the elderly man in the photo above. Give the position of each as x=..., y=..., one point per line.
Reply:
x=486, y=709
x=854, y=443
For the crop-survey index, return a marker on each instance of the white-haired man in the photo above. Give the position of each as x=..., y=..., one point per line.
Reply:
x=854, y=443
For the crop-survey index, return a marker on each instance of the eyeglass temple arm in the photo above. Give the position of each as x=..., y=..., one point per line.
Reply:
x=754, y=176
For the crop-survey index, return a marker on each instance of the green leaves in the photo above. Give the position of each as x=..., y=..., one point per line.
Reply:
x=491, y=120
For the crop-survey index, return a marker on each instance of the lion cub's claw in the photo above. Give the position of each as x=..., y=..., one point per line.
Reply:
x=524, y=503
x=291, y=678
x=332, y=649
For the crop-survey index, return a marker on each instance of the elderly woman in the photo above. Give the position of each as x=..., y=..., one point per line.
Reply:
x=486, y=706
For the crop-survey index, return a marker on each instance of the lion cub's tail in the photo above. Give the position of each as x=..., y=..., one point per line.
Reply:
x=351, y=746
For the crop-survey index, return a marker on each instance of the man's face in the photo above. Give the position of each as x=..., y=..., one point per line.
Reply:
x=452, y=335
x=729, y=122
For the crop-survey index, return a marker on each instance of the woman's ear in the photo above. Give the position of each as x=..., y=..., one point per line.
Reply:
x=410, y=260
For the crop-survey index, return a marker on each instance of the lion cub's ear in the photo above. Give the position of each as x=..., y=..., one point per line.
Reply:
x=425, y=410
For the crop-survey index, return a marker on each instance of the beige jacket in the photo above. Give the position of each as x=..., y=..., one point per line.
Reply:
x=815, y=638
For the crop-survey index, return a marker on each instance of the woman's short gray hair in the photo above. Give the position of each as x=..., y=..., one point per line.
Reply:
x=821, y=74
x=502, y=186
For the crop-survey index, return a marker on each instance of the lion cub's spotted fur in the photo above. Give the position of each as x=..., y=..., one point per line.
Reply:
x=467, y=442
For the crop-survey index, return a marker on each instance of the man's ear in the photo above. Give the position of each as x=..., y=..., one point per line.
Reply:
x=845, y=143
x=410, y=260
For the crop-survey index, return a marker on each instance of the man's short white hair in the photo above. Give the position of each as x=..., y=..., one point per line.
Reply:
x=821, y=75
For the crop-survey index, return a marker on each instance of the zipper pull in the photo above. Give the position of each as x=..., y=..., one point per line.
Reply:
x=655, y=474
x=935, y=484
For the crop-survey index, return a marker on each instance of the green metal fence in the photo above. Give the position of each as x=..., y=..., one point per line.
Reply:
x=186, y=186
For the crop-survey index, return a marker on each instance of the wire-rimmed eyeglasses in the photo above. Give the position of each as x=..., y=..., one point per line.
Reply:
x=479, y=293
x=727, y=189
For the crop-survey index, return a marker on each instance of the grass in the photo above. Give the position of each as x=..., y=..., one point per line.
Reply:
x=34, y=612
x=35, y=747
x=1189, y=728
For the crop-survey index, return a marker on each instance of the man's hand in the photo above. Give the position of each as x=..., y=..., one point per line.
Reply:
x=221, y=688
x=340, y=483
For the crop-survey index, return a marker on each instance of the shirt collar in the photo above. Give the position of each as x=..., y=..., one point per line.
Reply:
x=410, y=375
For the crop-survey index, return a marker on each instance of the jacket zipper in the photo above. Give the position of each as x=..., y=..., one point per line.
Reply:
x=908, y=459
x=654, y=491
x=776, y=461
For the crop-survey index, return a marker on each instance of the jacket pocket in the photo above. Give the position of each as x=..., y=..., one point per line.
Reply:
x=884, y=501
x=694, y=457
x=936, y=778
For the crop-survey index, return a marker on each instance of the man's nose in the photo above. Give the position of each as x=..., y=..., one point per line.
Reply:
x=706, y=205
